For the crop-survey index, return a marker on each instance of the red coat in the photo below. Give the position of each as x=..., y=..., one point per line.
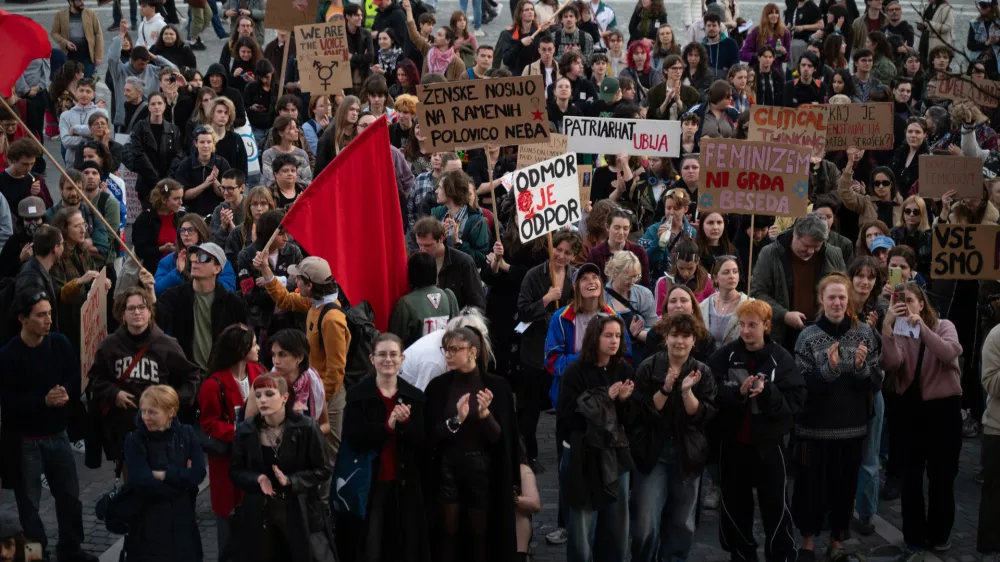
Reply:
x=225, y=496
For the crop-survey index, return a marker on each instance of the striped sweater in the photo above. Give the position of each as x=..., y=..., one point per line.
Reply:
x=839, y=399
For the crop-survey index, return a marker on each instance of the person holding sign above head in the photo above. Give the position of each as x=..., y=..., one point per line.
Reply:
x=838, y=356
x=440, y=55
x=927, y=420
x=786, y=274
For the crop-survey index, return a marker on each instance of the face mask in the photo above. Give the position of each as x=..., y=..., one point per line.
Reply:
x=31, y=228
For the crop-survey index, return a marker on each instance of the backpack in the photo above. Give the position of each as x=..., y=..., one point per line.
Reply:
x=361, y=325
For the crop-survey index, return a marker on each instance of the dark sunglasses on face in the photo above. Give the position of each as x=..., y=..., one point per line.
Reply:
x=882, y=183
x=202, y=257
x=912, y=212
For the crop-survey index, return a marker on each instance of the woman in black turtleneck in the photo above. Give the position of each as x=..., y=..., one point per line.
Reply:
x=472, y=435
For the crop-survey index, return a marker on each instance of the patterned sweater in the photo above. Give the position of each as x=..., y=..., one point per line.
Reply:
x=839, y=399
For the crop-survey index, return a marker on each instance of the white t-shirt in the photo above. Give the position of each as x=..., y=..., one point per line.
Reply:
x=149, y=31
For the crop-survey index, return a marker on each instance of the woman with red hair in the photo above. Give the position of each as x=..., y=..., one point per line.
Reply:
x=639, y=69
x=407, y=79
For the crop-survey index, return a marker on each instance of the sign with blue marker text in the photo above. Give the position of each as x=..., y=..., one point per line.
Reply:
x=753, y=177
x=323, y=59
x=547, y=196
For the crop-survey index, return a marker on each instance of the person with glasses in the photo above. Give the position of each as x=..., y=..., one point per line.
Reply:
x=471, y=444
x=882, y=200
x=671, y=98
x=39, y=379
x=915, y=231
x=595, y=399
x=385, y=414
x=173, y=269
x=228, y=214
x=116, y=384
x=196, y=312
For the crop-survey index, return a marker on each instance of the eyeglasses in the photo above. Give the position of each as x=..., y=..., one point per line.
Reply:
x=882, y=183
x=136, y=308
x=230, y=187
x=912, y=212
x=382, y=355
x=677, y=68
x=187, y=230
x=453, y=349
x=202, y=257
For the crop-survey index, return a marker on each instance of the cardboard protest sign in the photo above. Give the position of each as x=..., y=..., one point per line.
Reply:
x=586, y=172
x=966, y=251
x=868, y=126
x=940, y=174
x=324, y=63
x=982, y=92
x=548, y=196
x=93, y=324
x=250, y=147
x=474, y=113
x=635, y=137
x=287, y=14
x=802, y=126
x=531, y=154
x=753, y=177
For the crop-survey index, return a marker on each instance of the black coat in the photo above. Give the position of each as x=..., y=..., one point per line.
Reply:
x=117, y=152
x=365, y=430
x=10, y=255
x=459, y=273
x=167, y=529
x=391, y=16
x=260, y=305
x=514, y=55
x=150, y=157
x=506, y=469
x=653, y=428
x=145, y=232
x=303, y=458
x=33, y=276
x=773, y=411
x=174, y=313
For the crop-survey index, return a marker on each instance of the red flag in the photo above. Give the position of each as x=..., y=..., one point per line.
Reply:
x=24, y=41
x=350, y=217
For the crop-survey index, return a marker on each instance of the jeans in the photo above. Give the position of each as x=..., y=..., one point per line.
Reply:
x=53, y=457
x=602, y=535
x=88, y=69
x=223, y=530
x=866, y=498
x=220, y=30
x=663, y=493
x=477, y=11
x=335, y=415
x=116, y=12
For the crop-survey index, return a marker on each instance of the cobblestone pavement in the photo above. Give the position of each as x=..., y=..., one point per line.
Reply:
x=706, y=547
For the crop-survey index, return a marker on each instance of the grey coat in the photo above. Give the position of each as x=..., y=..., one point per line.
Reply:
x=122, y=70
x=772, y=278
x=256, y=8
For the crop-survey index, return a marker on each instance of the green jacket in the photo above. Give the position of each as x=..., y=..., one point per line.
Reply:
x=475, y=235
x=421, y=312
x=772, y=278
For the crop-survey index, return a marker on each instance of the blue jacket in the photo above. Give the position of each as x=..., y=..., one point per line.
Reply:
x=722, y=55
x=168, y=277
x=560, y=345
x=659, y=258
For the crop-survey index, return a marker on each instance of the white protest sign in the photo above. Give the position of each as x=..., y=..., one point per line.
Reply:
x=635, y=137
x=250, y=145
x=548, y=196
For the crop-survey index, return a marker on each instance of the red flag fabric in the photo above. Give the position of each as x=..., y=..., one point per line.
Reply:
x=23, y=41
x=350, y=217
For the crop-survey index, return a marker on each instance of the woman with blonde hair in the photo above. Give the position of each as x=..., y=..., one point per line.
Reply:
x=165, y=467
x=228, y=144
x=255, y=203
x=633, y=302
x=771, y=31
x=915, y=229
x=839, y=358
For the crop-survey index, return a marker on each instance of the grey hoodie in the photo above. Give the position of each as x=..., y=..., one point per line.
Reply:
x=122, y=70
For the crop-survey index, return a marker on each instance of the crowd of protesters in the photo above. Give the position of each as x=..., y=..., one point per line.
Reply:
x=681, y=380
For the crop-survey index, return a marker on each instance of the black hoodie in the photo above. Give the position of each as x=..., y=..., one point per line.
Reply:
x=232, y=93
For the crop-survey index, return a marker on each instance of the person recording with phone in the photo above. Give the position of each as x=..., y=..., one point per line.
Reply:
x=927, y=418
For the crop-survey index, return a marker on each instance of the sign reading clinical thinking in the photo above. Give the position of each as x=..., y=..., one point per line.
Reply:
x=635, y=137
x=547, y=196
x=753, y=177
x=474, y=113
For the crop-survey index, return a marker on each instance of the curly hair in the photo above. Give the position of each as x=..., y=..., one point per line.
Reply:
x=682, y=324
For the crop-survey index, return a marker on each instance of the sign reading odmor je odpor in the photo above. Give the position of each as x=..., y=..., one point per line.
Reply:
x=635, y=137
x=753, y=177
x=474, y=113
x=547, y=196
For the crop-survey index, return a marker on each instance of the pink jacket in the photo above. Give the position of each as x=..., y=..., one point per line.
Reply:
x=939, y=375
x=663, y=284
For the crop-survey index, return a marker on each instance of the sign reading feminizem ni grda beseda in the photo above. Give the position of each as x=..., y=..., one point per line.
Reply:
x=547, y=196
x=474, y=113
x=635, y=137
x=753, y=177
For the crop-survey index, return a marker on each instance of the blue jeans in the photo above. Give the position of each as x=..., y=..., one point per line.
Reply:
x=88, y=69
x=53, y=457
x=477, y=11
x=866, y=499
x=220, y=30
x=116, y=12
x=663, y=493
x=597, y=535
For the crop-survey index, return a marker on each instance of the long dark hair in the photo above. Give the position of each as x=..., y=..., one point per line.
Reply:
x=857, y=267
x=701, y=239
x=160, y=45
x=845, y=75
x=62, y=79
x=412, y=75
x=887, y=172
x=294, y=342
x=592, y=339
x=231, y=347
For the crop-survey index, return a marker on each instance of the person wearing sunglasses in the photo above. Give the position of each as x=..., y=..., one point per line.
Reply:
x=881, y=201
x=196, y=312
x=471, y=443
x=717, y=114
x=174, y=268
